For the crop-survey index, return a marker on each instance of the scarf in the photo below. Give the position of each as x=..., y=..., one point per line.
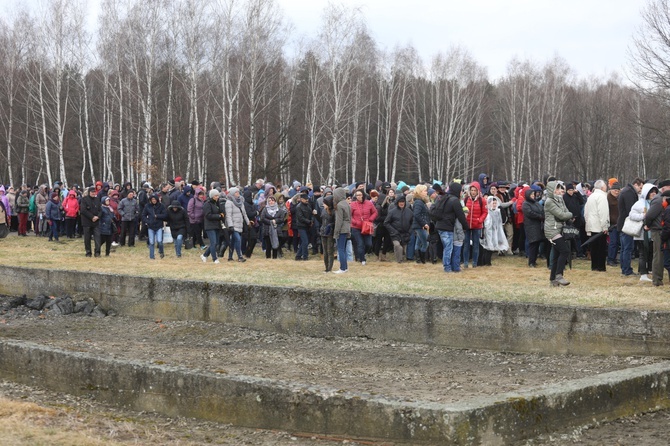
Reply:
x=272, y=209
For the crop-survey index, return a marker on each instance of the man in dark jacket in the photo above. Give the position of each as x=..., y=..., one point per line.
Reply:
x=445, y=212
x=177, y=219
x=574, y=201
x=91, y=211
x=653, y=223
x=627, y=198
x=613, y=203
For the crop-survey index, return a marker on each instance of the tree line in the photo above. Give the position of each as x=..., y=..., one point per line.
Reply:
x=220, y=91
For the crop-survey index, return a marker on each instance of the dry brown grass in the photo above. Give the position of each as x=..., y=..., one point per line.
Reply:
x=508, y=280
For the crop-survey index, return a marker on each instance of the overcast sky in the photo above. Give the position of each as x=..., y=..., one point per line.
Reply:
x=591, y=35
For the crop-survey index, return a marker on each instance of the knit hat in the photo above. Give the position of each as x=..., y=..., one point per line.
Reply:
x=569, y=186
x=431, y=191
x=232, y=191
x=615, y=186
x=327, y=190
x=611, y=182
x=214, y=193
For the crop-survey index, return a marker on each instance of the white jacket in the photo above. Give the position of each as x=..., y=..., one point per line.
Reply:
x=597, y=212
x=639, y=209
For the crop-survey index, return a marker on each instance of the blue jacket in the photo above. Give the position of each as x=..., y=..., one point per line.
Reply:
x=154, y=215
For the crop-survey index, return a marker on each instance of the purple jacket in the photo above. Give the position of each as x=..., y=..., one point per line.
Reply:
x=194, y=210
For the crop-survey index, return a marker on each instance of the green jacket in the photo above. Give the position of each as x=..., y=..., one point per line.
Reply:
x=555, y=212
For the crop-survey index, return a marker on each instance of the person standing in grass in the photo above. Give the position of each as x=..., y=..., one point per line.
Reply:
x=236, y=219
x=213, y=221
x=556, y=214
x=91, y=210
x=107, y=224
x=272, y=219
x=342, y=228
x=596, y=221
x=154, y=216
x=326, y=233
x=177, y=219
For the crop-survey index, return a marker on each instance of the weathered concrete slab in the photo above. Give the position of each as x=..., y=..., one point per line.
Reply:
x=458, y=323
x=263, y=403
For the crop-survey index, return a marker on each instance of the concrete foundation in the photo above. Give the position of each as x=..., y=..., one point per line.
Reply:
x=457, y=323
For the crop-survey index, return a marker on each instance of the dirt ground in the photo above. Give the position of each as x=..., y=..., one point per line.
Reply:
x=399, y=370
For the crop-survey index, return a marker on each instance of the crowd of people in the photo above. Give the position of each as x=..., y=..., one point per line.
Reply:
x=461, y=225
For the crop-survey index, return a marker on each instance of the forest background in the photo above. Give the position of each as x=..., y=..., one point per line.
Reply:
x=219, y=90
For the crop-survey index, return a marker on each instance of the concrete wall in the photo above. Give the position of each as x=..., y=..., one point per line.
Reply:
x=263, y=403
x=458, y=323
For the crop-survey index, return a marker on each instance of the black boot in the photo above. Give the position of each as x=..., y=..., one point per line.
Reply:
x=422, y=256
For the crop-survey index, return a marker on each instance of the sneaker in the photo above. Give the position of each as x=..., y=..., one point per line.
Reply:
x=115, y=244
x=217, y=261
x=363, y=263
x=162, y=255
x=203, y=258
x=230, y=259
x=340, y=271
x=645, y=278
x=553, y=283
x=241, y=260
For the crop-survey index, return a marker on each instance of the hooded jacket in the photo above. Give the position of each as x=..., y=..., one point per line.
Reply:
x=177, y=219
x=53, y=209
x=447, y=209
x=627, y=198
x=154, y=215
x=654, y=215
x=555, y=212
x=211, y=213
x=477, y=208
x=494, y=234
x=641, y=207
x=533, y=218
x=398, y=223
x=342, y=213
x=484, y=188
x=71, y=205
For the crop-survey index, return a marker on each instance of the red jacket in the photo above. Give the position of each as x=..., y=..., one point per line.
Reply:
x=71, y=205
x=477, y=208
x=362, y=211
x=520, y=195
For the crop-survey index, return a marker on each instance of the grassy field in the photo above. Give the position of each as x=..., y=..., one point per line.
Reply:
x=509, y=279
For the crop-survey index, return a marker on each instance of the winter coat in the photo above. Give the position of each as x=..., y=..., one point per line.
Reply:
x=533, y=218
x=477, y=209
x=5, y=201
x=114, y=202
x=362, y=211
x=342, y=213
x=484, y=188
x=267, y=220
x=613, y=203
x=399, y=223
x=302, y=216
x=519, y=198
x=639, y=210
x=596, y=213
x=23, y=203
x=53, y=209
x=129, y=209
x=421, y=217
x=236, y=218
x=41, y=200
x=494, y=234
x=327, y=222
x=106, y=219
x=627, y=198
x=71, y=205
x=665, y=232
x=448, y=209
x=555, y=213
x=211, y=215
x=88, y=208
x=575, y=203
x=154, y=215
x=177, y=219
x=654, y=213
x=185, y=196
x=195, y=210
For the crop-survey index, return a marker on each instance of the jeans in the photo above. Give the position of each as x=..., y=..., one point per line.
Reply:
x=613, y=247
x=155, y=237
x=472, y=234
x=626, y=254
x=410, y=246
x=421, y=243
x=447, y=238
x=55, y=229
x=303, y=245
x=236, y=244
x=178, y=242
x=363, y=243
x=456, y=258
x=213, y=237
x=342, y=251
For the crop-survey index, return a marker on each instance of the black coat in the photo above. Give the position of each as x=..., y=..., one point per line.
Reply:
x=212, y=215
x=303, y=216
x=574, y=204
x=399, y=224
x=627, y=198
x=445, y=212
x=88, y=208
x=533, y=219
x=177, y=219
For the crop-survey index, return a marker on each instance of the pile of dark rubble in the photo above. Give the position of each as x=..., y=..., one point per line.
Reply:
x=43, y=305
